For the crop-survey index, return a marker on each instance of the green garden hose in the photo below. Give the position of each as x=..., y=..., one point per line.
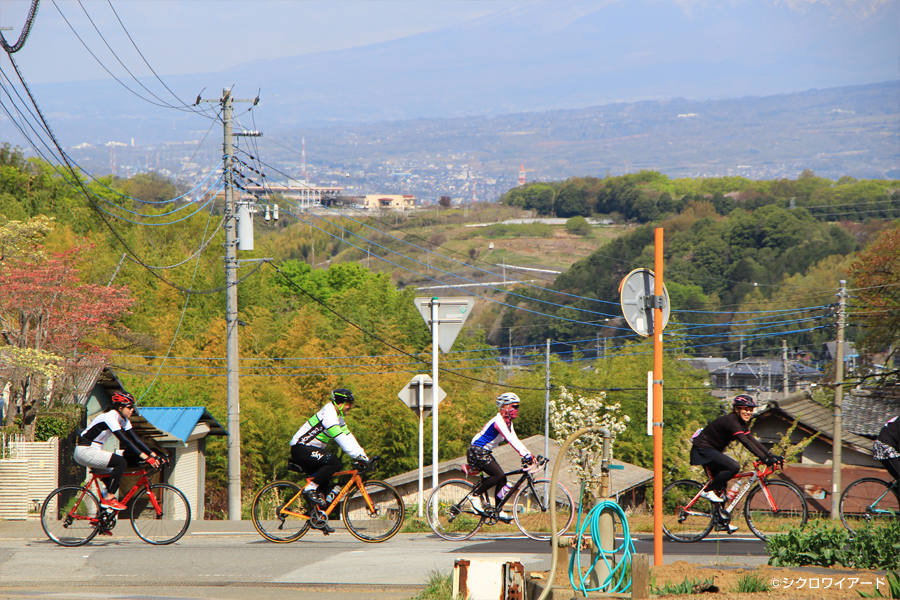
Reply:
x=592, y=523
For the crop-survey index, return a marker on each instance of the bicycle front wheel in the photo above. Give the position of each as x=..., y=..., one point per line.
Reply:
x=160, y=515
x=531, y=509
x=268, y=519
x=449, y=512
x=377, y=518
x=869, y=501
x=682, y=520
x=787, y=511
x=70, y=515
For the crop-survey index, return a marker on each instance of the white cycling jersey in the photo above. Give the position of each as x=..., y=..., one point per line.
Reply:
x=327, y=425
x=495, y=432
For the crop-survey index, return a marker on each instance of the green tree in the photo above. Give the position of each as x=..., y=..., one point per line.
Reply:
x=878, y=297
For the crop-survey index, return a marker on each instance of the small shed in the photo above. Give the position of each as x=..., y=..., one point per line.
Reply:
x=181, y=433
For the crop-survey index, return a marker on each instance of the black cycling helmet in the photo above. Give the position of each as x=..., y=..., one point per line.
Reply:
x=341, y=395
x=743, y=401
x=122, y=400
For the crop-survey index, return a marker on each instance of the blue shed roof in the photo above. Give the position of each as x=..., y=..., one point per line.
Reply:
x=180, y=421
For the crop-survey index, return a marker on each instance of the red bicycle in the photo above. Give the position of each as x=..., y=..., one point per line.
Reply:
x=772, y=506
x=72, y=515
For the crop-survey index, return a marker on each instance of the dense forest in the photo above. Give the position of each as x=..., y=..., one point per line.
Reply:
x=148, y=272
x=731, y=246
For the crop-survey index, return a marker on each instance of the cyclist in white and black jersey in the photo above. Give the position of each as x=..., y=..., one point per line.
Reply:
x=308, y=446
x=114, y=422
x=480, y=454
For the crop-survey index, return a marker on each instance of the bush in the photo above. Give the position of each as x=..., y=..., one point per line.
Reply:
x=578, y=226
x=825, y=545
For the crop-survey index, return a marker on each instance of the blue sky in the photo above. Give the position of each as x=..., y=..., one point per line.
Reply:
x=195, y=36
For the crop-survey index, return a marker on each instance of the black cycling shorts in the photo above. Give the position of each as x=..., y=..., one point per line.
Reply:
x=478, y=457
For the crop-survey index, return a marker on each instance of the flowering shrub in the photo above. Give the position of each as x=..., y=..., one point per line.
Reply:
x=570, y=413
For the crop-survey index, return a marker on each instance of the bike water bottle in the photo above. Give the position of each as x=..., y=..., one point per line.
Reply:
x=504, y=491
x=732, y=491
x=332, y=494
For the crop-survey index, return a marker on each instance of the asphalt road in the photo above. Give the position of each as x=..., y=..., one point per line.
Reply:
x=229, y=560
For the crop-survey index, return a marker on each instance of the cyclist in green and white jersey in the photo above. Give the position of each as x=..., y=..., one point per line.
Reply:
x=309, y=445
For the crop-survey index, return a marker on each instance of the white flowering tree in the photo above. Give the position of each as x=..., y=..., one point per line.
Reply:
x=572, y=412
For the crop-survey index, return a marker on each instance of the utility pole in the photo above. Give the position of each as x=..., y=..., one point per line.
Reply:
x=232, y=352
x=785, y=369
x=232, y=372
x=838, y=403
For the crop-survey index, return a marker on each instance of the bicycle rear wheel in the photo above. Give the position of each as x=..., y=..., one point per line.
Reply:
x=272, y=524
x=70, y=515
x=684, y=524
x=869, y=501
x=160, y=515
x=449, y=512
x=531, y=509
x=380, y=521
x=790, y=510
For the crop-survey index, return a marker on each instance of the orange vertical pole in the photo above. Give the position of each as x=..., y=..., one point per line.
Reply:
x=657, y=401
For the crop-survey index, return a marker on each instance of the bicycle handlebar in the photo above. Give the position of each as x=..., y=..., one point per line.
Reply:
x=366, y=466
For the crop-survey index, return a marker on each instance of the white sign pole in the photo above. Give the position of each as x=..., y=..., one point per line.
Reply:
x=421, y=441
x=434, y=379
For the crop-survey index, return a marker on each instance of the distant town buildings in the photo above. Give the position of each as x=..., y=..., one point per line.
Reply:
x=297, y=191
x=388, y=202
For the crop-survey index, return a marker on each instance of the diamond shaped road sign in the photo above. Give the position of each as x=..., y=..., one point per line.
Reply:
x=452, y=314
x=410, y=394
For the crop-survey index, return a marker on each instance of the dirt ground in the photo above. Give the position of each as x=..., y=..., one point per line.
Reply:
x=782, y=583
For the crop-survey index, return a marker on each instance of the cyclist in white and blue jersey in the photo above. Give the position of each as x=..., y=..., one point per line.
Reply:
x=480, y=456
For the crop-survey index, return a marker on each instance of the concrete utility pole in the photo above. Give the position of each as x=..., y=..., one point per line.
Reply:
x=232, y=370
x=838, y=403
x=785, y=369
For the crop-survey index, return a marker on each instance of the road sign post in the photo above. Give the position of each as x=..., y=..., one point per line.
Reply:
x=420, y=396
x=445, y=317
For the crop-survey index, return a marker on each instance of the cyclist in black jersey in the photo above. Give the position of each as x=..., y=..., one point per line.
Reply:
x=709, y=444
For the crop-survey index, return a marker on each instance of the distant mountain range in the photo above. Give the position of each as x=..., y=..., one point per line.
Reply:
x=513, y=87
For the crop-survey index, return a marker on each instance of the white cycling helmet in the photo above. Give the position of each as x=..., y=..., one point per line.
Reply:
x=506, y=399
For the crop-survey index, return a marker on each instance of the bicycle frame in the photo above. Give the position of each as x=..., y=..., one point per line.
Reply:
x=355, y=479
x=887, y=512
x=752, y=477
x=141, y=484
x=526, y=476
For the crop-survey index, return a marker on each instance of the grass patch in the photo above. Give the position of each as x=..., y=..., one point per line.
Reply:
x=688, y=586
x=751, y=583
x=438, y=587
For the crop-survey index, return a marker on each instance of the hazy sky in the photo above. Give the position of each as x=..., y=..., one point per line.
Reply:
x=193, y=36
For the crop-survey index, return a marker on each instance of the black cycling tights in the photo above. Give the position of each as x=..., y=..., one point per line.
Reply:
x=118, y=464
x=722, y=468
x=496, y=478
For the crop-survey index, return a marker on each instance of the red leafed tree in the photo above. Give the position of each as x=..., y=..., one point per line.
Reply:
x=52, y=325
x=876, y=275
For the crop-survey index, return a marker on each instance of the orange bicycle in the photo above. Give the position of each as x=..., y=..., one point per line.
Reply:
x=772, y=506
x=372, y=510
x=72, y=515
